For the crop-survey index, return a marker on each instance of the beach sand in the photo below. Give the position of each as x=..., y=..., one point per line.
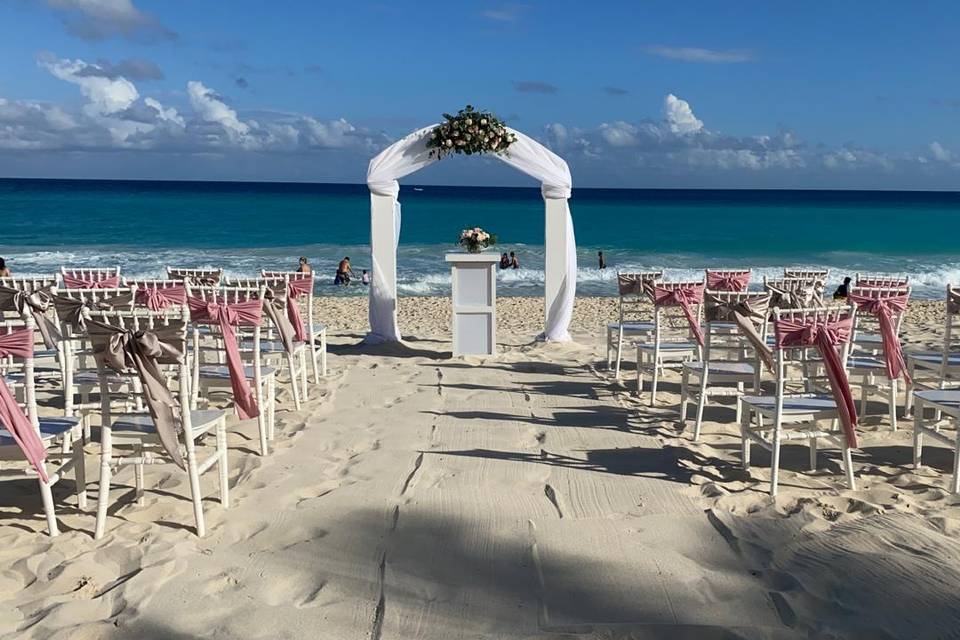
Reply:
x=528, y=495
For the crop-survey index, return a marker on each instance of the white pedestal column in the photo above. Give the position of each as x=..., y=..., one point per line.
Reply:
x=555, y=257
x=474, y=278
x=383, y=250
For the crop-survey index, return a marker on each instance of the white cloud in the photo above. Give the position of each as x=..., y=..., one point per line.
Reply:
x=680, y=116
x=99, y=19
x=166, y=115
x=211, y=108
x=696, y=54
x=940, y=153
x=105, y=95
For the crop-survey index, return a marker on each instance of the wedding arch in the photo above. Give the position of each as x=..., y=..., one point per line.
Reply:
x=411, y=154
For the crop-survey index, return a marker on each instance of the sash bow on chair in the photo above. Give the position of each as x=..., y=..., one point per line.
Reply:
x=728, y=281
x=74, y=282
x=36, y=303
x=160, y=298
x=749, y=316
x=884, y=308
x=19, y=343
x=683, y=297
x=825, y=336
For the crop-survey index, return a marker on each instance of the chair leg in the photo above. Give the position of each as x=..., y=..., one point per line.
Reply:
x=222, y=463
x=775, y=462
x=303, y=376
x=47, y=495
x=917, y=435
x=701, y=403
x=294, y=384
x=80, y=475
x=313, y=358
x=653, y=384
x=848, y=467
x=138, y=477
x=744, y=439
x=616, y=372
x=272, y=402
x=893, y=404
x=103, y=498
x=194, y=476
x=684, y=396
x=609, y=349
x=323, y=353
x=908, y=391
x=813, y=454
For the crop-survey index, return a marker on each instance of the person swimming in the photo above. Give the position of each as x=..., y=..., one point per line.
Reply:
x=842, y=290
x=514, y=263
x=504, y=260
x=304, y=267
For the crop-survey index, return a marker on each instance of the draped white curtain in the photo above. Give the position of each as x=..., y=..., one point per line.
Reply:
x=410, y=154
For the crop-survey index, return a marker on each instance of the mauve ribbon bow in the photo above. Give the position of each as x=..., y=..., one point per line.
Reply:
x=36, y=302
x=19, y=344
x=748, y=314
x=276, y=309
x=633, y=285
x=106, y=282
x=885, y=308
x=227, y=316
x=825, y=336
x=728, y=281
x=684, y=297
x=121, y=349
x=159, y=298
x=794, y=296
x=295, y=289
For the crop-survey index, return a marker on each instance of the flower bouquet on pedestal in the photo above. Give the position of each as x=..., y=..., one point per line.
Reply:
x=476, y=240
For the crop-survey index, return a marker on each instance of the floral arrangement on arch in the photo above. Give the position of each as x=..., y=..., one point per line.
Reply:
x=476, y=240
x=469, y=132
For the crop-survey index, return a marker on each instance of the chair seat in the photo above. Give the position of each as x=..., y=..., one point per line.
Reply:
x=632, y=326
x=272, y=346
x=50, y=428
x=142, y=423
x=945, y=398
x=869, y=338
x=819, y=406
x=869, y=363
x=318, y=328
x=222, y=373
x=91, y=378
x=670, y=346
x=45, y=353
x=934, y=357
x=723, y=368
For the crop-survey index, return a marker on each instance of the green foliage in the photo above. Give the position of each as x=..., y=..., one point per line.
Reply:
x=469, y=132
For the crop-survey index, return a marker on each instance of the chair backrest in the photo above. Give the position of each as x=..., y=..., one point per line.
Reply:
x=271, y=282
x=799, y=354
x=30, y=284
x=863, y=280
x=94, y=274
x=718, y=341
x=228, y=295
x=18, y=372
x=800, y=292
x=669, y=315
x=870, y=322
x=634, y=295
x=727, y=279
x=951, y=330
x=197, y=277
x=809, y=274
x=144, y=287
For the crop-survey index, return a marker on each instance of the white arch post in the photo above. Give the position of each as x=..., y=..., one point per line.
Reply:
x=527, y=155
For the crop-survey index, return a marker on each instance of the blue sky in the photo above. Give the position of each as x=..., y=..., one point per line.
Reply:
x=632, y=94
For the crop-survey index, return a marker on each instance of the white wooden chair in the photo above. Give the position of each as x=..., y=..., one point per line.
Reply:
x=74, y=277
x=866, y=366
x=726, y=279
x=62, y=436
x=210, y=372
x=794, y=292
x=52, y=358
x=793, y=417
x=942, y=402
x=673, y=341
x=196, y=277
x=728, y=357
x=804, y=273
x=130, y=438
x=635, y=314
x=884, y=281
x=30, y=283
x=144, y=297
x=273, y=351
x=938, y=369
x=316, y=331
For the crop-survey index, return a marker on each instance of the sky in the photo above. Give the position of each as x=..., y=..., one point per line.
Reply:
x=747, y=94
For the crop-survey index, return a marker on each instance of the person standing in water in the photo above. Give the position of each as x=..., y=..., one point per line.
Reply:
x=4, y=269
x=504, y=260
x=600, y=260
x=365, y=277
x=344, y=272
x=514, y=263
x=304, y=266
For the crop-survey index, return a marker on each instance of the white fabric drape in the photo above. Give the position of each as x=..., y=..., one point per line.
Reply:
x=410, y=154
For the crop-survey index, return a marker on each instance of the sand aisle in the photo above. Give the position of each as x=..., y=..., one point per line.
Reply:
x=442, y=499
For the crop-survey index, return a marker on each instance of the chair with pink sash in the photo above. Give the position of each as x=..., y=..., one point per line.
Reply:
x=883, y=281
x=938, y=369
x=158, y=294
x=300, y=293
x=196, y=277
x=279, y=345
x=148, y=351
x=677, y=334
x=29, y=443
x=34, y=295
x=770, y=420
x=878, y=370
x=732, y=361
x=727, y=279
x=228, y=359
x=807, y=273
x=90, y=278
x=635, y=317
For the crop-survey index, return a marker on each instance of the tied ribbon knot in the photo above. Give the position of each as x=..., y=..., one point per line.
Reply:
x=227, y=316
x=36, y=303
x=885, y=308
x=826, y=336
x=93, y=282
x=124, y=349
x=749, y=315
x=19, y=344
x=728, y=281
x=684, y=297
x=160, y=298
x=296, y=288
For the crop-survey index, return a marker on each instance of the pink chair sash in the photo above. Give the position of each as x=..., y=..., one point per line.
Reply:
x=159, y=298
x=885, y=308
x=226, y=316
x=296, y=288
x=19, y=344
x=825, y=336
x=728, y=281
x=684, y=297
x=95, y=282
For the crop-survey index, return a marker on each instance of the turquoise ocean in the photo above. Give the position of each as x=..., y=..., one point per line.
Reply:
x=143, y=226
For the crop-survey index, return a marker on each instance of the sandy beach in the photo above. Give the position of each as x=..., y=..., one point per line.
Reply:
x=528, y=495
